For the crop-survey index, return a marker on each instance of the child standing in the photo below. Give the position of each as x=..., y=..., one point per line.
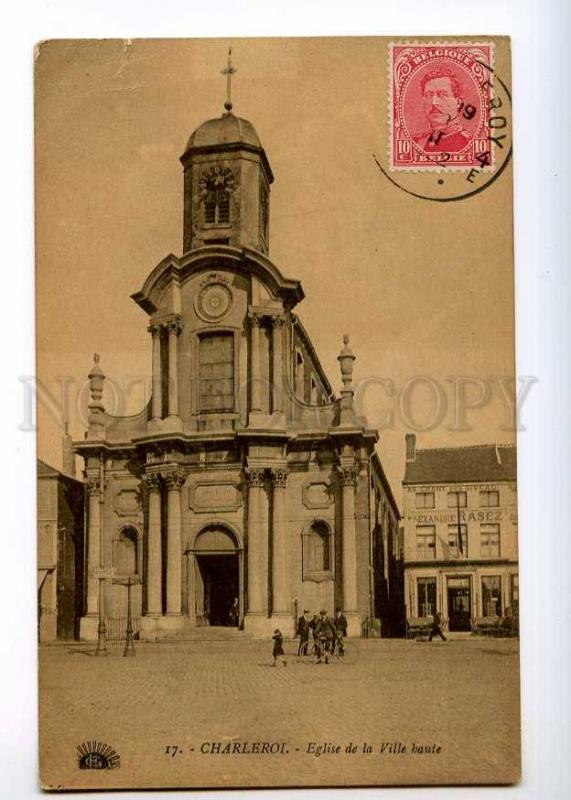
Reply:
x=278, y=650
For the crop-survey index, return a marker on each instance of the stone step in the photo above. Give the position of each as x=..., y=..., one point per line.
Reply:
x=205, y=633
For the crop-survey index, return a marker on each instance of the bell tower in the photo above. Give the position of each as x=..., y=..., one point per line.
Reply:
x=227, y=178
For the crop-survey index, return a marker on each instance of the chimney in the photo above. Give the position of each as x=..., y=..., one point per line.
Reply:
x=410, y=446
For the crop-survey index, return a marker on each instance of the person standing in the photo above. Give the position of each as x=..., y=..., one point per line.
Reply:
x=313, y=628
x=325, y=630
x=303, y=627
x=436, y=630
x=340, y=622
x=278, y=651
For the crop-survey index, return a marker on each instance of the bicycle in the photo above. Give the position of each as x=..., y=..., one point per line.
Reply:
x=343, y=651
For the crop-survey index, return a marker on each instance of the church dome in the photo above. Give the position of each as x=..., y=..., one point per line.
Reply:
x=224, y=130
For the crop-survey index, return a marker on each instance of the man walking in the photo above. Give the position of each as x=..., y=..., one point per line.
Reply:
x=435, y=630
x=303, y=626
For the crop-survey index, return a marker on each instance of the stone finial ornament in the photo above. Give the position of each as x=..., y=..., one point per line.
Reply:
x=346, y=360
x=96, y=417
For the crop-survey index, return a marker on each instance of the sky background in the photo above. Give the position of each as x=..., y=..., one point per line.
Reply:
x=422, y=288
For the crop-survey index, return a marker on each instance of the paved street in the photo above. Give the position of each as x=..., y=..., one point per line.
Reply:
x=461, y=697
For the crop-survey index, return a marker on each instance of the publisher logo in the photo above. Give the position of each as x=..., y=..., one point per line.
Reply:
x=97, y=755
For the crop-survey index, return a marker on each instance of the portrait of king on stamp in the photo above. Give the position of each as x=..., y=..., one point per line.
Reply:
x=440, y=101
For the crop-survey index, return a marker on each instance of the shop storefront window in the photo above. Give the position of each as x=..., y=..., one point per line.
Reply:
x=426, y=593
x=492, y=595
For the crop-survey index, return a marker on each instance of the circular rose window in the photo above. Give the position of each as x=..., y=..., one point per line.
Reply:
x=213, y=302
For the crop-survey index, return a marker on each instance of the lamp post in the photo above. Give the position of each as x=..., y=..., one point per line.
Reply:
x=129, y=649
x=102, y=573
x=129, y=644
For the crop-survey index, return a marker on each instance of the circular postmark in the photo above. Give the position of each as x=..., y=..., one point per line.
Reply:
x=449, y=120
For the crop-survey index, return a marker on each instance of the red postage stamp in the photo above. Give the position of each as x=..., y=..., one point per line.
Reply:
x=440, y=99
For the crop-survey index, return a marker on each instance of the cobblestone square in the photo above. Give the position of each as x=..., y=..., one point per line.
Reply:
x=206, y=714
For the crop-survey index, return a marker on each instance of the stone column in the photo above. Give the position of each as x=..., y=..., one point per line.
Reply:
x=174, y=329
x=154, y=563
x=257, y=554
x=349, y=481
x=255, y=356
x=157, y=400
x=94, y=545
x=277, y=365
x=174, y=481
x=279, y=546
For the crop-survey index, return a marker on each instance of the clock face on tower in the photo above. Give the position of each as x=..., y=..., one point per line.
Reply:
x=216, y=182
x=214, y=299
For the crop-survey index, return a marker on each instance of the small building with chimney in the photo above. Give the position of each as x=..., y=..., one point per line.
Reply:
x=247, y=490
x=460, y=533
x=60, y=567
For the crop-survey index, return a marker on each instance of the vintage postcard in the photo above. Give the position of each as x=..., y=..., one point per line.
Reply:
x=277, y=490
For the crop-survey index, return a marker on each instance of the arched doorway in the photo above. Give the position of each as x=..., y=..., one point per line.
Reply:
x=215, y=577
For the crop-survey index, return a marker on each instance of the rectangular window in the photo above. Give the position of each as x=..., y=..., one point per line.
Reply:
x=426, y=592
x=457, y=500
x=515, y=594
x=492, y=595
x=424, y=499
x=216, y=372
x=490, y=499
x=458, y=541
x=490, y=540
x=426, y=541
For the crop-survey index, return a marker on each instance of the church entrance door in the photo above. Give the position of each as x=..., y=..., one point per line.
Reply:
x=219, y=574
x=215, y=577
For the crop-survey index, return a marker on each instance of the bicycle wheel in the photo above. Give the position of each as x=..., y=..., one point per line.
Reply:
x=347, y=653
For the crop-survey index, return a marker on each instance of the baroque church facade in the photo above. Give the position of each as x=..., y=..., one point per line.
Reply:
x=246, y=491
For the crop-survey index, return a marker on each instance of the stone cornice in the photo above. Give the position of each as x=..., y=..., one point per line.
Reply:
x=246, y=261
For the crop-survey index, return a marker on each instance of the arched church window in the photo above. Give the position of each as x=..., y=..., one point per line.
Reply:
x=313, y=395
x=298, y=375
x=216, y=185
x=210, y=211
x=224, y=209
x=216, y=372
x=126, y=552
x=317, y=547
x=264, y=212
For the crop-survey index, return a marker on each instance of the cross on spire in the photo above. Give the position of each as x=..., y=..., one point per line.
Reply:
x=229, y=70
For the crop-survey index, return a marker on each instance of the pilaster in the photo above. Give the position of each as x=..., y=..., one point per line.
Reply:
x=279, y=545
x=348, y=476
x=156, y=399
x=174, y=481
x=257, y=614
x=174, y=328
x=154, y=558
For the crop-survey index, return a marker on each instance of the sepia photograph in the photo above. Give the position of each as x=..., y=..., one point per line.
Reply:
x=277, y=506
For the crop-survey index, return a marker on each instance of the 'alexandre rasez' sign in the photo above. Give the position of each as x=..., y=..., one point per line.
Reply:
x=432, y=517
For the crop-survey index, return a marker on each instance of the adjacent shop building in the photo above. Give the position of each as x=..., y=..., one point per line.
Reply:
x=460, y=533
